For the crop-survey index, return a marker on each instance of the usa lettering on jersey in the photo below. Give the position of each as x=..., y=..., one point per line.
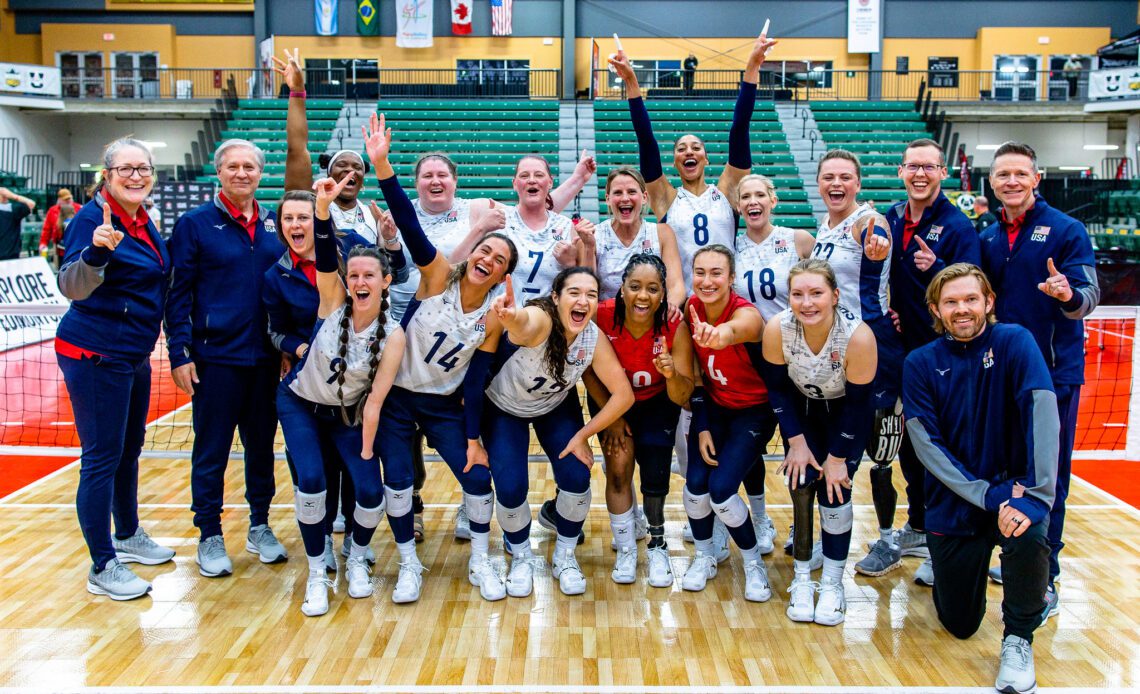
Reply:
x=1040, y=234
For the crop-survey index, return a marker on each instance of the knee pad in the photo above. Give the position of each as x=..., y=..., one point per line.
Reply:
x=368, y=517
x=802, y=499
x=398, y=501
x=310, y=507
x=573, y=507
x=697, y=506
x=886, y=435
x=514, y=519
x=836, y=520
x=480, y=508
x=732, y=512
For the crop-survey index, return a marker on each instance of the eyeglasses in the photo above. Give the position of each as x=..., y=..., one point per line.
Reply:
x=926, y=168
x=128, y=171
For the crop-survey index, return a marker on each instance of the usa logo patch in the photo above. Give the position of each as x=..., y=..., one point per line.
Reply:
x=1040, y=234
x=988, y=359
x=271, y=226
x=781, y=245
x=934, y=234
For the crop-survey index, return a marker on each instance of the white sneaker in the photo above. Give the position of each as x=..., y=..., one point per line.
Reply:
x=409, y=582
x=338, y=523
x=571, y=580
x=1016, y=675
x=462, y=523
x=139, y=548
x=925, y=574
x=520, y=577
x=212, y=558
x=701, y=569
x=756, y=586
x=332, y=564
x=801, y=603
x=687, y=533
x=660, y=568
x=359, y=577
x=117, y=582
x=765, y=534
x=831, y=607
x=720, y=538
x=625, y=566
x=316, y=595
x=480, y=573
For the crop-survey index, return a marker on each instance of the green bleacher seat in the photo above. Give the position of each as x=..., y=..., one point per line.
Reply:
x=861, y=106
x=386, y=105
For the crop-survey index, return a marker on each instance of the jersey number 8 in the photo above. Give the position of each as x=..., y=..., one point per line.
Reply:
x=700, y=229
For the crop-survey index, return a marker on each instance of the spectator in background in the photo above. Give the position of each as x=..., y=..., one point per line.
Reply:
x=154, y=212
x=985, y=217
x=1071, y=71
x=690, y=69
x=52, y=232
x=13, y=209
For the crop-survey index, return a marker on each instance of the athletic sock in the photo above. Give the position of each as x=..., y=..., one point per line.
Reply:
x=759, y=508
x=621, y=525
x=567, y=544
x=480, y=542
x=317, y=564
x=885, y=534
x=355, y=550
x=752, y=554
x=407, y=550
x=802, y=568
x=520, y=549
x=705, y=546
x=833, y=569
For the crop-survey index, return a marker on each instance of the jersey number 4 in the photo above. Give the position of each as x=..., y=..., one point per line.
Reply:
x=767, y=284
x=448, y=361
x=714, y=374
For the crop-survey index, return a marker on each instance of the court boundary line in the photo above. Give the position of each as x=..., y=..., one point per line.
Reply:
x=535, y=689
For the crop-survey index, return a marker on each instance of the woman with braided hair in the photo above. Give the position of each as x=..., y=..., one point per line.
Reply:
x=655, y=350
x=342, y=379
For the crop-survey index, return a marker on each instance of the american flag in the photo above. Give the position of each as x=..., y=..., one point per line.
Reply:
x=501, y=17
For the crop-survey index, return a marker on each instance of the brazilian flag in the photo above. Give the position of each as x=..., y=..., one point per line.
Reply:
x=367, y=18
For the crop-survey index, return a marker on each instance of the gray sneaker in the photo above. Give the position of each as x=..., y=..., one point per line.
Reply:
x=462, y=523
x=911, y=542
x=139, y=548
x=117, y=582
x=925, y=574
x=212, y=558
x=995, y=574
x=262, y=542
x=1016, y=674
x=882, y=559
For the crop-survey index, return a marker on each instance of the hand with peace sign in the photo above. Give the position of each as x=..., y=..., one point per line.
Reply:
x=707, y=335
x=1056, y=285
x=290, y=70
x=624, y=69
x=327, y=190
x=663, y=359
x=923, y=258
x=504, y=304
x=378, y=143
x=106, y=235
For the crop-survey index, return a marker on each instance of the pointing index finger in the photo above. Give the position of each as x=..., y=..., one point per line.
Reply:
x=922, y=244
x=106, y=214
x=1052, y=267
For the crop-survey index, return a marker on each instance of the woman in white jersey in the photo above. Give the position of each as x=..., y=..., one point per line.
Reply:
x=452, y=335
x=699, y=214
x=551, y=342
x=819, y=361
x=764, y=254
x=343, y=377
x=626, y=233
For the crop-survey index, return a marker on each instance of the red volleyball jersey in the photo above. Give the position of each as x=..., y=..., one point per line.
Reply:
x=636, y=354
x=728, y=374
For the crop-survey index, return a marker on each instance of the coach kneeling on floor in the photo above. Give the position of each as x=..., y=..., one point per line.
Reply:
x=981, y=410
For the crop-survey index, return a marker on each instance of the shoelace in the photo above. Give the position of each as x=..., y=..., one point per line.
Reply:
x=1018, y=650
x=322, y=580
x=813, y=585
x=260, y=536
x=360, y=562
x=214, y=548
x=117, y=573
x=758, y=567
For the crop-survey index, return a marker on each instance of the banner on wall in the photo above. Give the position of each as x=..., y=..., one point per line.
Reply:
x=864, y=18
x=324, y=16
x=265, y=56
x=461, y=17
x=1115, y=83
x=501, y=20
x=30, y=282
x=39, y=80
x=414, y=23
x=367, y=18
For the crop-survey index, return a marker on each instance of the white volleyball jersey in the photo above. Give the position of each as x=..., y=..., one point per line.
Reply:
x=822, y=375
x=441, y=339
x=445, y=230
x=861, y=293
x=537, y=265
x=613, y=255
x=315, y=376
x=697, y=221
x=358, y=219
x=762, y=270
x=525, y=387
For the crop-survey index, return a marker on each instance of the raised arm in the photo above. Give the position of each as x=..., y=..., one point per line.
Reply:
x=661, y=193
x=526, y=327
x=746, y=325
x=1074, y=283
x=298, y=161
x=564, y=194
x=91, y=250
x=432, y=264
x=739, y=144
x=329, y=283
x=486, y=216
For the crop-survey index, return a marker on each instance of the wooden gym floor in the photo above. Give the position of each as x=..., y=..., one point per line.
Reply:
x=245, y=633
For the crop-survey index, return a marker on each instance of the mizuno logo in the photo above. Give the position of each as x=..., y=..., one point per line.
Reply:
x=755, y=433
x=942, y=372
x=219, y=226
x=880, y=394
x=847, y=436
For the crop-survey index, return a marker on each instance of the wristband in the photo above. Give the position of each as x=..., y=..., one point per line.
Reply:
x=300, y=95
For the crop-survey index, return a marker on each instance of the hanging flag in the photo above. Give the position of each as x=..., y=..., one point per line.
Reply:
x=414, y=23
x=324, y=15
x=367, y=18
x=461, y=17
x=501, y=17
x=964, y=169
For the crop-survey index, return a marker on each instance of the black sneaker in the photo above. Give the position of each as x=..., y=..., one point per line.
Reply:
x=547, y=515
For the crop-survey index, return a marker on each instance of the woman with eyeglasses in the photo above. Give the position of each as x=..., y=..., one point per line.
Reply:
x=115, y=272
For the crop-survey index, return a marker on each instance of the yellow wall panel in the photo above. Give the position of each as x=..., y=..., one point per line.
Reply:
x=214, y=51
x=89, y=37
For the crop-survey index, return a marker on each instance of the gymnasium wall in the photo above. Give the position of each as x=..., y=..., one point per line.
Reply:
x=1056, y=143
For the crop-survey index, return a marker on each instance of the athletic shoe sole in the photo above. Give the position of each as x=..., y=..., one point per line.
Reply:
x=252, y=549
x=923, y=552
x=96, y=590
x=1013, y=690
x=138, y=559
x=219, y=574
x=882, y=572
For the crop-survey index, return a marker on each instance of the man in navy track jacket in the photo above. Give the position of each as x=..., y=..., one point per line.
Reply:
x=220, y=351
x=982, y=414
x=1042, y=266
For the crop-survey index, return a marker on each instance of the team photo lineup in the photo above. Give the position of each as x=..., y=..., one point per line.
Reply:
x=378, y=331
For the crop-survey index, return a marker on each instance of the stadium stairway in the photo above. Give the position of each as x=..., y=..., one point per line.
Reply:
x=802, y=134
x=576, y=133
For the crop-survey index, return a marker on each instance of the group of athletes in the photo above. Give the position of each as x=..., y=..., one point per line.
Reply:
x=469, y=323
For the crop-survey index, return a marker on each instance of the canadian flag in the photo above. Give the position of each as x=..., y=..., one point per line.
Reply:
x=460, y=17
